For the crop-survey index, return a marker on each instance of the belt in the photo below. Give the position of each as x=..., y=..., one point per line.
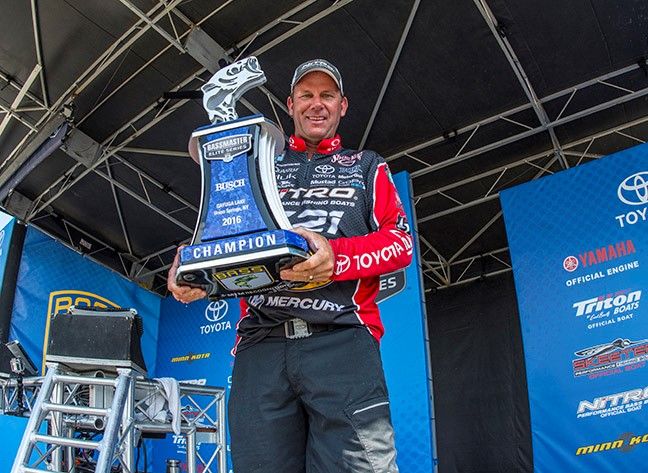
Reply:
x=298, y=328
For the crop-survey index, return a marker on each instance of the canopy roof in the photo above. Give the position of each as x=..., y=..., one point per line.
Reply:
x=469, y=96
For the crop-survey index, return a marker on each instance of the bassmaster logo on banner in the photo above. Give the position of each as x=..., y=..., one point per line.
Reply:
x=61, y=301
x=611, y=358
x=624, y=443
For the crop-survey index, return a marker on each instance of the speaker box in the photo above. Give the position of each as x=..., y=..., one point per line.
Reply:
x=96, y=339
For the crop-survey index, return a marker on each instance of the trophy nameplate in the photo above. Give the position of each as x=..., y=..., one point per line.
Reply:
x=242, y=237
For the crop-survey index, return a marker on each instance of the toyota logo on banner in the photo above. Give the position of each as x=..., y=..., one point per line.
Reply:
x=216, y=310
x=634, y=189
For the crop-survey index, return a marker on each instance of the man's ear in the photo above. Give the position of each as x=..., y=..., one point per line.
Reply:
x=344, y=106
x=289, y=103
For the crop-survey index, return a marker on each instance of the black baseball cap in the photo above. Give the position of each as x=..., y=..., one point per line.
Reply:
x=321, y=65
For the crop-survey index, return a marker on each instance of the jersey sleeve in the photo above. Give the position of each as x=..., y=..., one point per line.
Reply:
x=387, y=248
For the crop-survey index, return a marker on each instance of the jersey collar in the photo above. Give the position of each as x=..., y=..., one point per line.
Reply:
x=326, y=146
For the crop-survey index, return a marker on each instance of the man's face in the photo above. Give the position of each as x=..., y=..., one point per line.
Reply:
x=316, y=107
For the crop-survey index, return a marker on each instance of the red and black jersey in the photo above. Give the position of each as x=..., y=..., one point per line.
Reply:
x=349, y=197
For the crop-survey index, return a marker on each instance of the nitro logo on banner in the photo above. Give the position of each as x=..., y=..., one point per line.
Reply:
x=61, y=301
x=614, y=404
x=611, y=358
x=633, y=190
x=609, y=308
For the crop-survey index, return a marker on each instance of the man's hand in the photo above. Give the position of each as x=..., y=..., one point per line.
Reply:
x=319, y=267
x=184, y=294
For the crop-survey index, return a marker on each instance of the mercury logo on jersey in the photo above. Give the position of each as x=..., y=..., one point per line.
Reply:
x=305, y=303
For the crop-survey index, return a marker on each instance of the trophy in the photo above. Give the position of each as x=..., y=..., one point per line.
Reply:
x=242, y=237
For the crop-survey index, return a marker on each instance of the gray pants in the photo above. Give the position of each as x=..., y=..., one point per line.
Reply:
x=314, y=405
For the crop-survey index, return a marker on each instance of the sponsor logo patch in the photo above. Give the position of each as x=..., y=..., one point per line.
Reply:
x=227, y=148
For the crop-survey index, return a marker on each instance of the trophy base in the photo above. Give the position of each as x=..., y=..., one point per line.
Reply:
x=244, y=265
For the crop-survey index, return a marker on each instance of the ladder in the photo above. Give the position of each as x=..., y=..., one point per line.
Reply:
x=36, y=448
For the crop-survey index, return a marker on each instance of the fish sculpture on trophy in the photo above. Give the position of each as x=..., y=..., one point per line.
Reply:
x=242, y=237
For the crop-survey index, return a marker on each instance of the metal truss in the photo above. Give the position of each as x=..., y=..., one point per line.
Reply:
x=143, y=121
x=84, y=408
x=440, y=270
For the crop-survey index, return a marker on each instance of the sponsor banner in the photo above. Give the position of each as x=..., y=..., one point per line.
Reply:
x=194, y=344
x=579, y=247
x=6, y=229
x=405, y=353
x=52, y=278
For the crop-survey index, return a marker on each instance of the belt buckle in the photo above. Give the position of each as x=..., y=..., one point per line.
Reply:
x=297, y=328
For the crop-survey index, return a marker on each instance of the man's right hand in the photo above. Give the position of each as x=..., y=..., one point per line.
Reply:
x=184, y=294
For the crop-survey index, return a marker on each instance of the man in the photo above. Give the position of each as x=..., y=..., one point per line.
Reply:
x=308, y=390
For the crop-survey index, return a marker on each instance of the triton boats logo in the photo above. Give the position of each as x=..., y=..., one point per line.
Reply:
x=227, y=148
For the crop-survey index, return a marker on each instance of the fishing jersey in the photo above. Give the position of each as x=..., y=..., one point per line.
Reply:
x=348, y=197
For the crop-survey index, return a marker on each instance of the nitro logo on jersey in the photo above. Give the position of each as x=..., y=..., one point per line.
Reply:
x=318, y=193
x=346, y=161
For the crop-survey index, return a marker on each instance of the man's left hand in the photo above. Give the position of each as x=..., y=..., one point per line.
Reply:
x=317, y=268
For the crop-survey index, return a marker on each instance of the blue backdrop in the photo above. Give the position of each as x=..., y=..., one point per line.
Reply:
x=52, y=278
x=6, y=230
x=578, y=243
